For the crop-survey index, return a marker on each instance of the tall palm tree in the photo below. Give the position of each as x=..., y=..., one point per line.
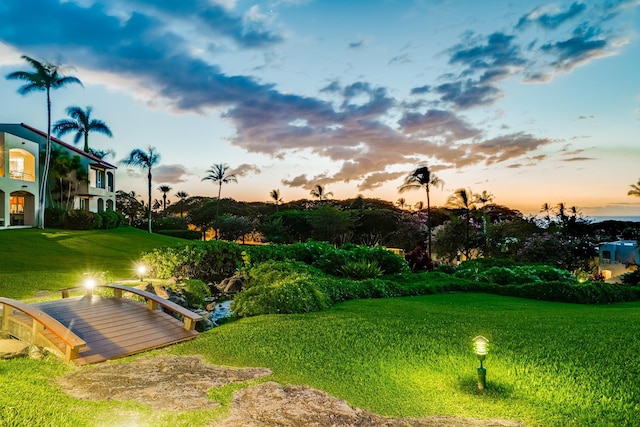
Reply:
x=145, y=160
x=221, y=174
x=275, y=195
x=82, y=124
x=422, y=177
x=483, y=198
x=462, y=199
x=319, y=192
x=165, y=189
x=635, y=189
x=44, y=78
x=401, y=203
x=182, y=195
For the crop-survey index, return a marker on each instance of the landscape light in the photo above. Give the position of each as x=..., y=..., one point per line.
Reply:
x=480, y=344
x=89, y=284
x=142, y=270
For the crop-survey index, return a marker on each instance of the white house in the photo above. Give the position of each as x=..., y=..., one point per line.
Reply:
x=22, y=149
x=616, y=258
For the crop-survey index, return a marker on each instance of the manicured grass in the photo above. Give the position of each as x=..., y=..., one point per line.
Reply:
x=33, y=260
x=550, y=364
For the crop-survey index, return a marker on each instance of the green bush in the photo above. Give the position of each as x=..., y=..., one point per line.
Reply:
x=77, y=219
x=211, y=261
x=54, y=217
x=195, y=291
x=111, y=219
x=360, y=269
x=631, y=278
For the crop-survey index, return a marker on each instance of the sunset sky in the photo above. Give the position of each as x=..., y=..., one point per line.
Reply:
x=532, y=101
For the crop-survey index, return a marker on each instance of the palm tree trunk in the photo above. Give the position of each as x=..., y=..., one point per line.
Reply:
x=86, y=142
x=149, y=205
x=47, y=160
x=429, y=220
x=218, y=208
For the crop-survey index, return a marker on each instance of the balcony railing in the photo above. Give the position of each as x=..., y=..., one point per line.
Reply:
x=21, y=175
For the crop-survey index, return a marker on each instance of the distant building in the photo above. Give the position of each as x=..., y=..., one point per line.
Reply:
x=616, y=258
x=90, y=186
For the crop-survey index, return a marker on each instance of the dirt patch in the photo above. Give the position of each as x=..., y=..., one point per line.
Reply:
x=164, y=382
x=181, y=383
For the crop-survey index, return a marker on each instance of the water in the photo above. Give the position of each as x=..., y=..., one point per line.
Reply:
x=613, y=218
x=221, y=311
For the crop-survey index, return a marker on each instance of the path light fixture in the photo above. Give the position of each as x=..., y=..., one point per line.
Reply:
x=480, y=344
x=142, y=270
x=89, y=285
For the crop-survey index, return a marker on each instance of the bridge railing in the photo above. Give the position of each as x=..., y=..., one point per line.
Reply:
x=41, y=321
x=153, y=301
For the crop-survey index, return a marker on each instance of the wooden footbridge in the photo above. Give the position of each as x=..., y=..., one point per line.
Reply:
x=93, y=328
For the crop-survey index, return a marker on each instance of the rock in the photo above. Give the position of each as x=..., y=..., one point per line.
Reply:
x=10, y=349
x=36, y=352
x=231, y=285
x=205, y=324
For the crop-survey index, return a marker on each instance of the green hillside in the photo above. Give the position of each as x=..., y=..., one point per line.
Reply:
x=33, y=260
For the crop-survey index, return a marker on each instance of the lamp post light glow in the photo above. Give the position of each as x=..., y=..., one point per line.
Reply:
x=142, y=270
x=89, y=285
x=480, y=344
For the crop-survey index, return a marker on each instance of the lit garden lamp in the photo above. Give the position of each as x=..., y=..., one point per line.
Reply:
x=89, y=285
x=480, y=344
x=142, y=270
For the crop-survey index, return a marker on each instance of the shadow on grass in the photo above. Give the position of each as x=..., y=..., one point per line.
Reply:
x=495, y=389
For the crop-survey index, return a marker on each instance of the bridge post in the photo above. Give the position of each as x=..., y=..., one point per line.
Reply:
x=7, y=311
x=36, y=328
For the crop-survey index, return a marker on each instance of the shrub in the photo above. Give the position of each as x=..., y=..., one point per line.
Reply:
x=419, y=260
x=54, y=217
x=111, y=219
x=208, y=261
x=361, y=269
x=196, y=291
x=77, y=219
x=631, y=278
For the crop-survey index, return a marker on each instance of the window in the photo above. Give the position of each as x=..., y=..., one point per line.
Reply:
x=84, y=204
x=110, y=181
x=99, y=178
x=606, y=257
x=22, y=165
x=100, y=205
x=17, y=205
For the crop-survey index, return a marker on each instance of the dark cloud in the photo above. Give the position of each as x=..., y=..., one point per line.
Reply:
x=245, y=169
x=586, y=43
x=358, y=130
x=585, y=117
x=420, y=90
x=170, y=174
x=356, y=45
x=550, y=20
x=579, y=159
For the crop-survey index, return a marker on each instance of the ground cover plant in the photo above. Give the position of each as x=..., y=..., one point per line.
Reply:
x=33, y=260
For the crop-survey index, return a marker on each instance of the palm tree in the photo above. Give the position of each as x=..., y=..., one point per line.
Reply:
x=419, y=205
x=145, y=160
x=462, y=199
x=483, y=198
x=275, y=195
x=401, y=203
x=45, y=77
x=81, y=123
x=165, y=189
x=546, y=208
x=422, y=177
x=635, y=189
x=319, y=193
x=182, y=195
x=102, y=154
x=219, y=173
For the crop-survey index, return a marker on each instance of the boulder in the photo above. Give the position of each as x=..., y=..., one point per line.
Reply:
x=231, y=285
x=10, y=349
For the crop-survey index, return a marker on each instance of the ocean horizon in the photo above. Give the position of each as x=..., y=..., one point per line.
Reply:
x=598, y=218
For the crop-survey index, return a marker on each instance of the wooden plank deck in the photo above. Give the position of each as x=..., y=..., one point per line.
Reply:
x=115, y=327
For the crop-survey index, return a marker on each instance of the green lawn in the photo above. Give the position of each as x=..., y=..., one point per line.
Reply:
x=550, y=364
x=33, y=260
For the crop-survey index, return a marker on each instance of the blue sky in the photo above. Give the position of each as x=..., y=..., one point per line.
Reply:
x=533, y=102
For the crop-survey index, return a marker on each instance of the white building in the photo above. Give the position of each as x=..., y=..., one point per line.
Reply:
x=616, y=258
x=22, y=149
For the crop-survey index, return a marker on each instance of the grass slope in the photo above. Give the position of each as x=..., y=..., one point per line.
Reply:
x=550, y=364
x=33, y=260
